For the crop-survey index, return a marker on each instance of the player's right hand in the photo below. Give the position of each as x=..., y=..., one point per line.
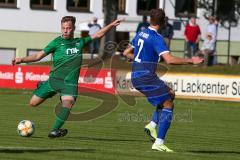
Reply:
x=16, y=61
x=197, y=60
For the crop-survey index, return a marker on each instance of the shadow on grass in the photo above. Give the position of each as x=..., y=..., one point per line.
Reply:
x=216, y=152
x=108, y=139
x=34, y=137
x=42, y=150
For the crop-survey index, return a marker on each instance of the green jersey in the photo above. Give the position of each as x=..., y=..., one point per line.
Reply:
x=67, y=58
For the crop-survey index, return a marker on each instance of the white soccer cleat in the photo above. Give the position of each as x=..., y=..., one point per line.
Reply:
x=161, y=148
x=151, y=132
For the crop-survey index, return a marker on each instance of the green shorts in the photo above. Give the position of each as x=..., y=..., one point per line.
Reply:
x=51, y=87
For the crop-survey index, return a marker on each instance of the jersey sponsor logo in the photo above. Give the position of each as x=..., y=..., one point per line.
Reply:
x=72, y=51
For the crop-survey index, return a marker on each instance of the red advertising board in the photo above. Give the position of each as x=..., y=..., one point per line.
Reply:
x=27, y=77
x=99, y=80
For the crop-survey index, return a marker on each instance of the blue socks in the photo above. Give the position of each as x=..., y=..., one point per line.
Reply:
x=162, y=118
x=165, y=119
x=155, y=116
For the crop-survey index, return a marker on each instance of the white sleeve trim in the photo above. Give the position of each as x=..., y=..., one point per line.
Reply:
x=161, y=53
x=132, y=46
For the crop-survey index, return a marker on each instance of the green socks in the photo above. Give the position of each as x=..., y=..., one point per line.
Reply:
x=61, y=117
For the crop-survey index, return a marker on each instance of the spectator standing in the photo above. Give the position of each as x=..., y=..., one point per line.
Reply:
x=167, y=32
x=143, y=25
x=211, y=29
x=192, y=35
x=94, y=27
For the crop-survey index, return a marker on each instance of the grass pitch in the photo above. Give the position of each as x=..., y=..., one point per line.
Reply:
x=200, y=130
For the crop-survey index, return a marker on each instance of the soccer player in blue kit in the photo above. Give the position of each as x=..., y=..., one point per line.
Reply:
x=145, y=50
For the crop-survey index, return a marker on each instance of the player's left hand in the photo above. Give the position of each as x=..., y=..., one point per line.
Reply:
x=197, y=60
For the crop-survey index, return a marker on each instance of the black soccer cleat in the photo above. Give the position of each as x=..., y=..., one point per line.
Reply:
x=58, y=133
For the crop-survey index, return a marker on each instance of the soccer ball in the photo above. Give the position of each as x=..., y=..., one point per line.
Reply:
x=25, y=128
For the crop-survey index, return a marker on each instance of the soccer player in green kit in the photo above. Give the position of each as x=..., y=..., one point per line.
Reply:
x=67, y=57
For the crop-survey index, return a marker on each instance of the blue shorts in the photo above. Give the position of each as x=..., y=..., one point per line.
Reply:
x=153, y=88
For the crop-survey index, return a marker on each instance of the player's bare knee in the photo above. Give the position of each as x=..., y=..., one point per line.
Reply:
x=33, y=103
x=168, y=104
x=68, y=103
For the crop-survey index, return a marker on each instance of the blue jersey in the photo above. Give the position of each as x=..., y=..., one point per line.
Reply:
x=148, y=47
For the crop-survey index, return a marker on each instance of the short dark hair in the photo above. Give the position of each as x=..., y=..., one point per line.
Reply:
x=157, y=17
x=144, y=18
x=69, y=18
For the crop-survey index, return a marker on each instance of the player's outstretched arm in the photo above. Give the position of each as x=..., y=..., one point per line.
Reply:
x=128, y=52
x=32, y=58
x=105, y=29
x=170, y=59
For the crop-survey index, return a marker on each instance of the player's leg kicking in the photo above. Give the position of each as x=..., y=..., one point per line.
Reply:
x=44, y=91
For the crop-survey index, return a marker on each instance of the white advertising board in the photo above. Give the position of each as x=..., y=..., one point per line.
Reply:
x=198, y=86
